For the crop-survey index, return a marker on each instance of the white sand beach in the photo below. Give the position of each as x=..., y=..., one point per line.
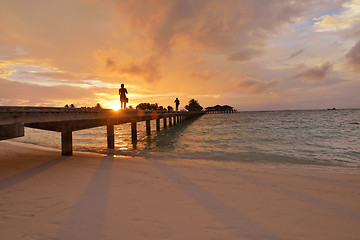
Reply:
x=90, y=196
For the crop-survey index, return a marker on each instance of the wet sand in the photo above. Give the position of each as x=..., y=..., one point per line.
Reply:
x=90, y=196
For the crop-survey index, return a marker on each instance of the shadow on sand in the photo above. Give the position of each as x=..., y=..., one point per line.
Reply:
x=237, y=223
x=22, y=176
x=87, y=219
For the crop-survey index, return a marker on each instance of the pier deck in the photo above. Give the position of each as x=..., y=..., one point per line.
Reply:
x=66, y=120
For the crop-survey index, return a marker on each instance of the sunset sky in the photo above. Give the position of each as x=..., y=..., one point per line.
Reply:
x=250, y=54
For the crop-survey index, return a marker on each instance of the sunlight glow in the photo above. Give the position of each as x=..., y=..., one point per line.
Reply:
x=113, y=105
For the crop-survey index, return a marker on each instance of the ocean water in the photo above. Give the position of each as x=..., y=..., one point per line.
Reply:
x=303, y=137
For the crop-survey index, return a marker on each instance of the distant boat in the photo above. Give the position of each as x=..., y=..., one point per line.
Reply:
x=331, y=108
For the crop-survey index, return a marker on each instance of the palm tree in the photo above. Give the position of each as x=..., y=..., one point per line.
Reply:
x=193, y=106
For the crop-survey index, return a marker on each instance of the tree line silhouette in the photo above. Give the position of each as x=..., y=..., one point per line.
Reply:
x=191, y=107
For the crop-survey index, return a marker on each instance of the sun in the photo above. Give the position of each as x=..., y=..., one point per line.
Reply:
x=114, y=105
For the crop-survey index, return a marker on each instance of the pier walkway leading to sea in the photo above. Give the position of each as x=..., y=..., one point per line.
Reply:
x=66, y=120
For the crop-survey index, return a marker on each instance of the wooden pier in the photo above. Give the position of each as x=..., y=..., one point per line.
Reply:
x=66, y=120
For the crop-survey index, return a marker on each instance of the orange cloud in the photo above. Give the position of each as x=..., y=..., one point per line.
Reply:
x=30, y=94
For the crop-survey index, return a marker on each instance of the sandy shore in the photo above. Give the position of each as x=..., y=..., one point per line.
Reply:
x=90, y=196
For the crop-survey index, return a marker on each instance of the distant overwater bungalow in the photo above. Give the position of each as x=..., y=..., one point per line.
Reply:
x=220, y=109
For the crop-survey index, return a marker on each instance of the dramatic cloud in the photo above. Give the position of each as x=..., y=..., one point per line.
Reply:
x=353, y=57
x=147, y=68
x=255, y=86
x=210, y=24
x=244, y=55
x=315, y=74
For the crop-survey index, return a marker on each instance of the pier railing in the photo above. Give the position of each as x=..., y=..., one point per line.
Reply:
x=66, y=120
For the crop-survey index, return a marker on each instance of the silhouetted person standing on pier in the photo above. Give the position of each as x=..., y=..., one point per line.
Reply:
x=177, y=102
x=123, y=98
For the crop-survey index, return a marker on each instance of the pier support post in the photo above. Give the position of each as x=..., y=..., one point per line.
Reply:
x=148, y=127
x=164, y=122
x=11, y=131
x=175, y=120
x=110, y=137
x=133, y=132
x=66, y=143
x=158, y=124
x=170, y=121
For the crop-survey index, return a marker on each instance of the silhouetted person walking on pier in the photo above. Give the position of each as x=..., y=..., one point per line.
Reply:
x=177, y=102
x=123, y=98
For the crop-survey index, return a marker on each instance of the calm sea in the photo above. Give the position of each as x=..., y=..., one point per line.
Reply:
x=304, y=137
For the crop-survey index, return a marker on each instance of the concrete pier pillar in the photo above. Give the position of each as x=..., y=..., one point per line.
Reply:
x=11, y=131
x=148, y=127
x=110, y=137
x=158, y=124
x=170, y=121
x=175, y=120
x=66, y=143
x=164, y=122
x=133, y=132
